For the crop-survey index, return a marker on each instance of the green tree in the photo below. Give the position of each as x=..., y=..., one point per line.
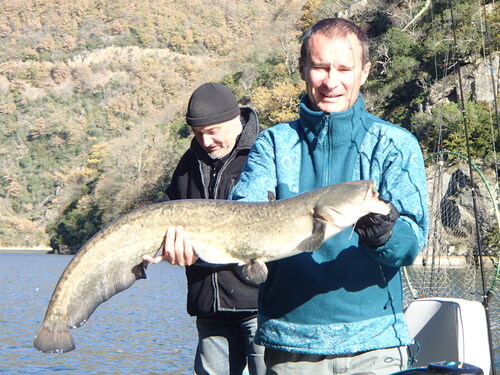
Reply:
x=77, y=224
x=480, y=139
x=395, y=71
x=444, y=128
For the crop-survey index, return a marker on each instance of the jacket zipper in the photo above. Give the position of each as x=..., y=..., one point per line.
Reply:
x=221, y=172
x=327, y=165
x=203, y=182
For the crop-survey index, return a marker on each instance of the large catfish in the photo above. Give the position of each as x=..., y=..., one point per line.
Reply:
x=221, y=232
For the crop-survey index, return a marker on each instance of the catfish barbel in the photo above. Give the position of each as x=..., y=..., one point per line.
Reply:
x=221, y=232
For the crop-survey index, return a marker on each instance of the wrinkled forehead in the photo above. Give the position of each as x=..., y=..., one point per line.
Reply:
x=220, y=125
x=356, y=45
x=206, y=129
x=338, y=47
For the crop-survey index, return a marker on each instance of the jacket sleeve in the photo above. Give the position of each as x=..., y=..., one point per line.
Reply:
x=403, y=182
x=258, y=176
x=179, y=184
x=172, y=192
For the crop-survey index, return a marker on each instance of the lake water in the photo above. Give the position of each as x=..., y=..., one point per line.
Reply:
x=143, y=330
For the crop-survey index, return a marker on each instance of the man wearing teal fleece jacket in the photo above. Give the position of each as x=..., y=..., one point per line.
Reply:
x=338, y=310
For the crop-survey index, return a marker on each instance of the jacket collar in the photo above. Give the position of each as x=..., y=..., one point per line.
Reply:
x=314, y=120
x=336, y=127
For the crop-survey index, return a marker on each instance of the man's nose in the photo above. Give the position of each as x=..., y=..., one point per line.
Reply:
x=331, y=78
x=206, y=140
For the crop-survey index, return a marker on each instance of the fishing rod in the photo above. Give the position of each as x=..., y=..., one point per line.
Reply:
x=473, y=190
x=487, y=51
x=495, y=104
x=492, y=71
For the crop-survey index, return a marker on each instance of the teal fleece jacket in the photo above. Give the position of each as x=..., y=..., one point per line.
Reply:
x=342, y=298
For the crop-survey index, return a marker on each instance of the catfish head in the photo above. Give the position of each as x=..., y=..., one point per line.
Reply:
x=343, y=205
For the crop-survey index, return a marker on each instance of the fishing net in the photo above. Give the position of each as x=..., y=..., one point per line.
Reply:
x=450, y=266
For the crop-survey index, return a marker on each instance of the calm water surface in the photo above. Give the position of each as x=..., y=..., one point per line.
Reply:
x=143, y=330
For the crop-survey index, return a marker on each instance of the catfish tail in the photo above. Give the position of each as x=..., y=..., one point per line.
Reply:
x=54, y=341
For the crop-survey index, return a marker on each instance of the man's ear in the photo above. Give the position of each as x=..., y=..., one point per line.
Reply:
x=365, y=72
x=301, y=69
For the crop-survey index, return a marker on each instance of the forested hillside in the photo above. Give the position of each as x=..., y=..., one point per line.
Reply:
x=93, y=93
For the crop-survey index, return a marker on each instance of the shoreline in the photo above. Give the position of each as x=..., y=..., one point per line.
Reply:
x=37, y=250
x=451, y=261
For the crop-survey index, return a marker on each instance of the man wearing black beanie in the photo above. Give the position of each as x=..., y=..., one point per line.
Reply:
x=222, y=299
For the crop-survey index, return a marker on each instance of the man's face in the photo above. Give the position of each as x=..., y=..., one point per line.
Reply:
x=218, y=140
x=333, y=72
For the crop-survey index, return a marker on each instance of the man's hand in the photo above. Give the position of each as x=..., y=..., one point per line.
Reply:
x=177, y=248
x=374, y=230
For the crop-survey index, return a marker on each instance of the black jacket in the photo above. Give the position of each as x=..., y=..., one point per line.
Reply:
x=216, y=291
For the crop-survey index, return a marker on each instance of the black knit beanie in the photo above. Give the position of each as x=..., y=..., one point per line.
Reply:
x=211, y=103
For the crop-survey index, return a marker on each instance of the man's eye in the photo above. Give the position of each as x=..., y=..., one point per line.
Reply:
x=320, y=68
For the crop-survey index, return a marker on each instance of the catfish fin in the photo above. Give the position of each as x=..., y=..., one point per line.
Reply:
x=139, y=271
x=56, y=340
x=255, y=271
x=101, y=290
x=317, y=237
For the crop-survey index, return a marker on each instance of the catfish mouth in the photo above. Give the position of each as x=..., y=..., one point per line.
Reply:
x=372, y=201
x=371, y=193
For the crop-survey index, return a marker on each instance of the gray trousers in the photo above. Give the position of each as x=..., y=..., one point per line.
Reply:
x=374, y=362
x=226, y=347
